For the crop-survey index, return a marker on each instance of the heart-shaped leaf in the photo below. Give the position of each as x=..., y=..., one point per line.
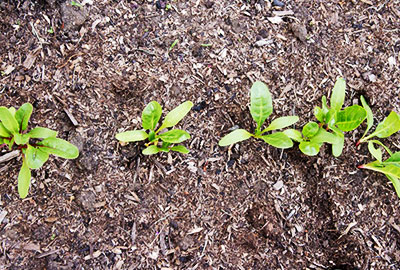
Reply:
x=281, y=122
x=260, y=103
x=23, y=115
x=350, y=118
x=24, y=179
x=235, y=136
x=309, y=148
x=132, y=136
x=310, y=129
x=59, y=147
x=151, y=115
x=8, y=120
x=21, y=139
x=41, y=132
x=175, y=136
x=278, y=140
x=35, y=158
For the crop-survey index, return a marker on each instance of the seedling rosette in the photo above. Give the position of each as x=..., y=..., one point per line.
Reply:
x=260, y=109
x=333, y=122
x=13, y=133
x=159, y=142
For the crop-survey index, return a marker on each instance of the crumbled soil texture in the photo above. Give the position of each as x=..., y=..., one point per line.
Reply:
x=90, y=70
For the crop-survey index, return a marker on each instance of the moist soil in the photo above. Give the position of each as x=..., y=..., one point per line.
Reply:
x=90, y=70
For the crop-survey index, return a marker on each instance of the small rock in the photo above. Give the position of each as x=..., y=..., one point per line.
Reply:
x=278, y=185
x=76, y=139
x=299, y=30
x=87, y=200
x=72, y=17
x=368, y=76
x=263, y=33
x=263, y=42
x=277, y=3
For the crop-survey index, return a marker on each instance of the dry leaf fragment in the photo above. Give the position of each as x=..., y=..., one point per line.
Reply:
x=275, y=19
x=51, y=219
x=195, y=230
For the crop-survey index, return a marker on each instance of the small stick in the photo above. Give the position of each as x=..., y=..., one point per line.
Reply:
x=9, y=156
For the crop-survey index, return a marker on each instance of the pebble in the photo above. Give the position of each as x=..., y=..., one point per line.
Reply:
x=277, y=3
x=278, y=185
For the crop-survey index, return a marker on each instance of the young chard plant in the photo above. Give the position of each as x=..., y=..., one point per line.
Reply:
x=13, y=133
x=391, y=166
x=333, y=122
x=260, y=109
x=150, y=117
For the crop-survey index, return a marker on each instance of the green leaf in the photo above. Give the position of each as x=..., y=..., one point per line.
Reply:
x=338, y=94
x=260, y=103
x=337, y=148
x=281, y=122
x=180, y=148
x=59, y=147
x=175, y=136
x=8, y=120
x=132, y=136
x=310, y=129
x=12, y=110
x=309, y=148
x=41, y=132
x=35, y=158
x=384, y=146
x=396, y=184
x=24, y=179
x=23, y=115
x=394, y=158
x=235, y=136
x=294, y=135
x=21, y=139
x=151, y=115
x=176, y=115
x=330, y=117
x=278, y=140
x=387, y=127
x=370, y=116
x=325, y=107
x=152, y=149
x=4, y=132
x=319, y=114
x=10, y=143
x=350, y=118
x=324, y=136
x=375, y=152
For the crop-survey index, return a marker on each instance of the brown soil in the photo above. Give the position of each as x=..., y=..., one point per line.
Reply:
x=215, y=208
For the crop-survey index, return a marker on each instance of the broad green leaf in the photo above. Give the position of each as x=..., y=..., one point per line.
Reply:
x=260, y=103
x=281, y=122
x=35, y=158
x=395, y=157
x=294, y=135
x=175, y=136
x=309, y=148
x=151, y=115
x=390, y=125
x=152, y=149
x=24, y=179
x=59, y=147
x=22, y=116
x=337, y=148
x=180, y=148
x=41, y=132
x=370, y=116
x=176, y=115
x=4, y=132
x=21, y=139
x=12, y=110
x=278, y=140
x=319, y=114
x=350, y=118
x=8, y=120
x=396, y=184
x=324, y=136
x=310, y=129
x=132, y=136
x=330, y=117
x=375, y=152
x=235, y=136
x=338, y=94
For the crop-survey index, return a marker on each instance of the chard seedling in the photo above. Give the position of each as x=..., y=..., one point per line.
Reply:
x=260, y=109
x=332, y=119
x=386, y=128
x=13, y=133
x=159, y=142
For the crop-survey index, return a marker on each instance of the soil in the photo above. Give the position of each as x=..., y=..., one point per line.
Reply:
x=90, y=70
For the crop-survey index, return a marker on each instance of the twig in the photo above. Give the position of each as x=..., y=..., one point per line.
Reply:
x=9, y=156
